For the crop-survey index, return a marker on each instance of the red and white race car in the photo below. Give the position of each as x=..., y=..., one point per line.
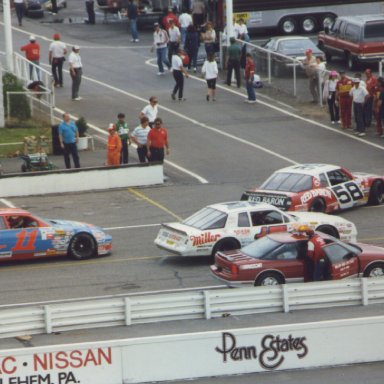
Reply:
x=232, y=225
x=318, y=188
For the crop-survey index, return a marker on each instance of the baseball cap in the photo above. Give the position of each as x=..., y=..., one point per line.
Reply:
x=32, y=38
x=56, y=36
x=156, y=24
x=356, y=80
x=76, y=47
x=111, y=127
x=309, y=50
x=333, y=73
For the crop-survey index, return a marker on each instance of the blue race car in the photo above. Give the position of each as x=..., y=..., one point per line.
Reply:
x=25, y=236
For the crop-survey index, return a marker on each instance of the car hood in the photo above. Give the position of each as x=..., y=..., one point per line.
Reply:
x=299, y=54
x=371, y=250
x=319, y=217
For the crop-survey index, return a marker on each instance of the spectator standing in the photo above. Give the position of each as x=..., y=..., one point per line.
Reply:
x=166, y=21
x=57, y=52
x=139, y=136
x=210, y=72
x=185, y=20
x=90, y=8
x=191, y=46
x=233, y=62
x=209, y=38
x=329, y=96
x=321, y=73
x=157, y=140
x=160, y=41
x=310, y=66
x=359, y=96
x=377, y=108
x=123, y=132
x=249, y=73
x=344, y=100
x=76, y=71
x=32, y=53
x=113, y=146
x=242, y=30
x=19, y=7
x=371, y=83
x=150, y=111
x=174, y=39
x=198, y=13
x=54, y=8
x=133, y=13
x=178, y=74
x=69, y=136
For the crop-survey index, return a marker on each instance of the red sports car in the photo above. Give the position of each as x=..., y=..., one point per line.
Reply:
x=281, y=258
x=318, y=188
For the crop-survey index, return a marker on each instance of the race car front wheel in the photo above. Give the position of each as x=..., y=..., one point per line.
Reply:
x=318, y=205
x=375, y=270
x=329, y=230
x=225, y=245
x=82, y=246
x=376, y=194
x=269, y=278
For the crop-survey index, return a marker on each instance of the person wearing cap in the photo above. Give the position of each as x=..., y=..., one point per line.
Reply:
x=359, y=96
x=170, y=16
x=139, y=136
x=344, y=100
x=329, y=96
x=160, y=41
x=113, y=146
x=69, y=137
x=32, y=53
x=19, y=7
x=123, y=132
x=57, y=52
x=310, y=66
x=371, y=83
x=150, y=111
x=179, y=72
x=76, y=71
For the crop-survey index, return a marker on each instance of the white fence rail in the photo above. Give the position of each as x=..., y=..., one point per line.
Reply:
x=48, y=317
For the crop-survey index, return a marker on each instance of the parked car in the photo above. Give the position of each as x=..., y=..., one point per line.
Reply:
x=26, y=236
x=232, y=225
x=280, y=258
x=357, y=39
x=318, y=188
x=292, y=47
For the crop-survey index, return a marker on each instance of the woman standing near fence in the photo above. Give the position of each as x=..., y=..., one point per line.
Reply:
x=209, y=38
x=210, y=71
x=329, y=96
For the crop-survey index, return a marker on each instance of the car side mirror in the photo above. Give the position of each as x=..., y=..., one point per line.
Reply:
x=326, y=30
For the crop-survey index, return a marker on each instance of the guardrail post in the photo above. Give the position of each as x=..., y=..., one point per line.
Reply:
x=48, y=319
x=294, y=80
x=128, y=311
x=364, y=291
x=285, y=298
x=207, y=305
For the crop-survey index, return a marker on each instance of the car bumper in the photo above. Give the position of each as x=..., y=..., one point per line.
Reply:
x=229, y=283
x=180, y=250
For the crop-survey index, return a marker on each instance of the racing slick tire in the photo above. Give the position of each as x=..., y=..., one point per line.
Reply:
x=318, y=205
x=329, y=230
x=269, y=278
x=223, y=245
x=376, y=194
x=374, y=270
x=82, y=246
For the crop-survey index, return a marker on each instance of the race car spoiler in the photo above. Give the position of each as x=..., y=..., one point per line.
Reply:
x=280, y=201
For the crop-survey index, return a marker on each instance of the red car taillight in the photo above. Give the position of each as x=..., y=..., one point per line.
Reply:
x=234, y=269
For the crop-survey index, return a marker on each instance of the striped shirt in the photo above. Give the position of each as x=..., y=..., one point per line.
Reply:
x=140, y=134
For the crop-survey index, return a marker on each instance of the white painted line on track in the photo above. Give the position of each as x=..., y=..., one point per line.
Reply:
x=7, y=203
x=131, y=227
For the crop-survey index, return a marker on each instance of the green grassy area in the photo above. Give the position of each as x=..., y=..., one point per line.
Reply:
x=16, y=135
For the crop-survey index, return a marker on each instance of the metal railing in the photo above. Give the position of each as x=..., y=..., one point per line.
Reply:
x=48, y=317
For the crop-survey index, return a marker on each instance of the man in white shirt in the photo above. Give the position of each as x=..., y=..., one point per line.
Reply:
x=185, y=20
x=359, y=97
x=76, y=71
x=174, y=39
x=57, y=52
x=150, y=111
x=139, y=137
x=178, y=74
x=160, y=41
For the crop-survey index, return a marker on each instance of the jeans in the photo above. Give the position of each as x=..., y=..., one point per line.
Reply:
x=250, y=91
x=76, y=81
x=19, y=11
x=162, y=58
x=57, y=70
x=124, y=152
x=192, y=58
x=142, y=153
x=179, y=86
x=157, y=154
x=33, y=68
x=333, y=108
x=183, y=33
x=368, y=111
x=89, y=5
x=358, y=111
x=133, y=26
x=71, y=149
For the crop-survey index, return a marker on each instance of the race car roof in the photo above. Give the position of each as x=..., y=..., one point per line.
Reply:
x=233, y=206
x=308, y=169
x=13, y=211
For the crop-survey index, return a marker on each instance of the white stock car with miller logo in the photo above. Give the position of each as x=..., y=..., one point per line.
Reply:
x=318, y=188
x=232, y=225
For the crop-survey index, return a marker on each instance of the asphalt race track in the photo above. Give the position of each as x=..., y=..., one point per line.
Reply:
x=217, y=150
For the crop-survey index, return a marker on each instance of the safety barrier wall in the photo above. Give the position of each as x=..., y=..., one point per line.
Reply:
x=58, y=316
x=82, y=179
x=203, y=354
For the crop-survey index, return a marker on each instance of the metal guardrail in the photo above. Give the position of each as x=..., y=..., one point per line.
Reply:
x=38, y=318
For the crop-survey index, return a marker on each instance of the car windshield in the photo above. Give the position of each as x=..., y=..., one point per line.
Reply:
x=299, y=45
x=260, y=248
x=374, y=31
x=207, y=218
x=288, y=182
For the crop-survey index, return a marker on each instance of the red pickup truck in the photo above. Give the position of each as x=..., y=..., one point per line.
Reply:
x=357, y=39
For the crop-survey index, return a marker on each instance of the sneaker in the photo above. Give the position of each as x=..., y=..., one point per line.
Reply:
x=355, y=132
x=173, y=96
x=332, y=122
x=136, y=40
x=182, y=99
x=339, y=122
x=77, y=98
x=361, y=134
x=251, y=101
x=160, y=73
x=195, y=70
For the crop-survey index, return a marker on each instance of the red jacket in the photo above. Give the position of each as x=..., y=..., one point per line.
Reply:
x=32, y=51
x=170, y=16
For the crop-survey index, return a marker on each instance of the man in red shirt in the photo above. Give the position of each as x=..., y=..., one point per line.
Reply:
x=371, y=83
x=156, y=141
x=168, y=17
x=32, y=53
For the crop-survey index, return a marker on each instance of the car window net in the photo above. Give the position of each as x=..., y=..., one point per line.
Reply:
x=288, y=182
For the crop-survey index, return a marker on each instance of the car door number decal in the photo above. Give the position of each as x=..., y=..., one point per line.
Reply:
x=26, y=241
x=348, y=192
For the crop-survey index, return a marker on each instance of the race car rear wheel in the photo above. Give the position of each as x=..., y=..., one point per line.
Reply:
x=329, y=230
x=376, y=194
x=225, y=245
x=318, y=205
x=82, y=246
x=269, y=278
x=375, y=270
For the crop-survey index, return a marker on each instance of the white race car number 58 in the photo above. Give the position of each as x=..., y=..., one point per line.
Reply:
x=347, y=193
